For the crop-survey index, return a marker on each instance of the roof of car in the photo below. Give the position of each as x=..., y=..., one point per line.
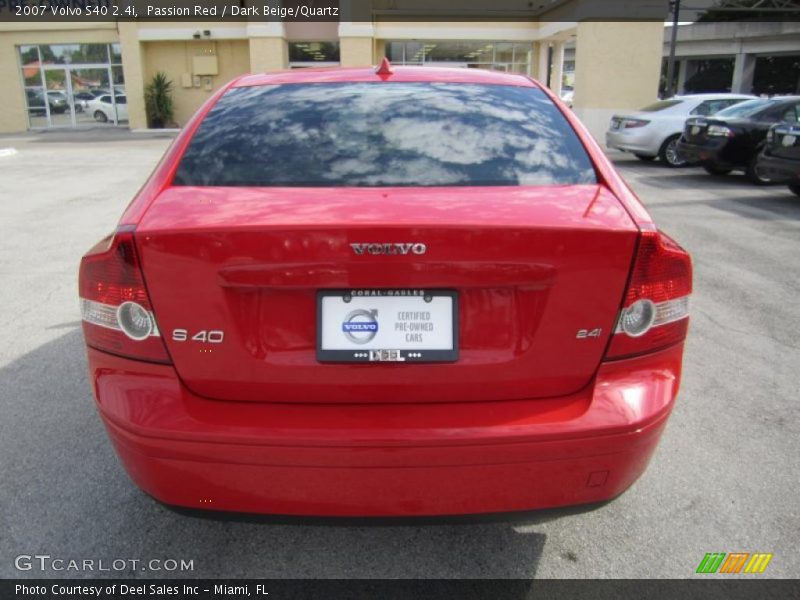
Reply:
x=399, y=74
x=714, y=95
x=779, y=98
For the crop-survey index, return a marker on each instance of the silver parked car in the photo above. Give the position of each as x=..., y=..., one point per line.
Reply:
x=654, y=131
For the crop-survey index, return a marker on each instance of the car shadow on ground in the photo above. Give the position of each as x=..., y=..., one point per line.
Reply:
x=656, y=167
x=677, y=177
x=784, y=205
x=764, y=202
x=628, y=161
x=65, y=494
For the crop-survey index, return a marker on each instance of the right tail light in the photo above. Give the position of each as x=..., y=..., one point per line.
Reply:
x=655, y=313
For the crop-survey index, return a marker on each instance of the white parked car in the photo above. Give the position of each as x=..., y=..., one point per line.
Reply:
x=654, y=131
x=567, y=95
x=102, y=108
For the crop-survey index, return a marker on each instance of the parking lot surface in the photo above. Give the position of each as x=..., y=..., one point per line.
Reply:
x=724, y=478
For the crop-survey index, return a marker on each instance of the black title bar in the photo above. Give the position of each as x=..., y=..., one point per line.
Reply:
x=732, y=588
x=26, y=11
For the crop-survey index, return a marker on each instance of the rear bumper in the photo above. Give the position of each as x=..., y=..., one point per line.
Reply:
x=712, y=152
x=779, y=170
x=634, y=140
x=385, y=460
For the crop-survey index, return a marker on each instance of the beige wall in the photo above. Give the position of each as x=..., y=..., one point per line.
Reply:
x=356, y=51
x=539, y=62
x=380, y=50
x=12, y=91
x=268, y=54
x=617, y=67
x=132, y=67
x=175, y=59
x=557, y=73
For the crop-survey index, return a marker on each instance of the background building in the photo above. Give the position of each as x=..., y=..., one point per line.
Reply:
x=741, y=57
x=755, y=57
x=58, y=74
x=76, y=74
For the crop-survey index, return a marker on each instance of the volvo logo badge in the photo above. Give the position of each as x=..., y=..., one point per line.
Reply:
x=389, y=248
x=361, y=326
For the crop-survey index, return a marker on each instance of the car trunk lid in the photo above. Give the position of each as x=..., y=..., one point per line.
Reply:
x=696, y=130
x=785, y=142
x=539, y=274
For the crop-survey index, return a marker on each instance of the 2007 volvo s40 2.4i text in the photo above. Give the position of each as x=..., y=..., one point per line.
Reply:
x=361, y=292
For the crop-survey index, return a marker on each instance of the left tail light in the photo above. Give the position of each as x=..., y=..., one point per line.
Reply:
x=116, y=311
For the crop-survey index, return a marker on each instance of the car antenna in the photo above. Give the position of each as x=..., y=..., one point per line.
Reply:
x=385, y=68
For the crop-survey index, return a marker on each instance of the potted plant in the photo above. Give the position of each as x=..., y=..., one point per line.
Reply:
x=158, y=101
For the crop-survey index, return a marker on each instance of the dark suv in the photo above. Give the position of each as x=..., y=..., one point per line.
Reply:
x=732, y=139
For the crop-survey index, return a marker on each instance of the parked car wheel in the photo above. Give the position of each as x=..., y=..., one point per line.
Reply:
x=645, y=158
x=715, y=170
x=795, y=188
x=100, y=116
x=753, y=174
x=668, y=153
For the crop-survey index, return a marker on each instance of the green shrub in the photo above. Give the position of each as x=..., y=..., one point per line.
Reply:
x=158, y=101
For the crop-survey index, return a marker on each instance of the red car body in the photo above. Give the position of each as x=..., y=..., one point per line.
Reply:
x=550, y=401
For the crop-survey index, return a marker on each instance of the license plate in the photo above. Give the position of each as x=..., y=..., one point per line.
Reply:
x=695, y=129
x=788, y=140
x=379, y=325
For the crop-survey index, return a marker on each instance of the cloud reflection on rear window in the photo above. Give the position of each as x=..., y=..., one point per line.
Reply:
x=384, y=134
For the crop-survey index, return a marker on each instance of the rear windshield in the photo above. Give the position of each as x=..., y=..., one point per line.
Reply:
x=661, y=105
x=384, y=134
x=746, y=109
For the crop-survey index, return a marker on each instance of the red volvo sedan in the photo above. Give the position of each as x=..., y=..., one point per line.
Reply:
x=361, y=292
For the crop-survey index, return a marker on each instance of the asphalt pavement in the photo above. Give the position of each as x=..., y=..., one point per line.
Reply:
x=724, y=478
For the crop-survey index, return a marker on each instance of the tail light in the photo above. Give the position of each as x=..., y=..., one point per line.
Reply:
x=655, y=313
x=719, y=131
x=634, y=123
x=116, y=311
